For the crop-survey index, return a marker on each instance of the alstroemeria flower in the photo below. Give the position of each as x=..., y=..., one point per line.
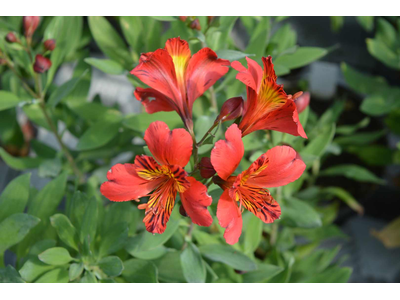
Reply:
x=161, y=178
x=267, y=106
x=277, y=167
x=177, y=78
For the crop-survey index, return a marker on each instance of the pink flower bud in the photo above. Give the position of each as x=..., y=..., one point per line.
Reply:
x=42, y=64
x=301, y=101
x=30, y=25
x=195, y=24
x=231, y=109
x=11, y=37
x=206, y=168
x=49, y=44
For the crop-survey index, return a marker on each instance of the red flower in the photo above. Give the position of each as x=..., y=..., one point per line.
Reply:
x=161, y=178
x=42, y=64
x=49, y=45
x=278, y=166
x=231, y=109
x=267, y=106
x=176, y=78
x=30, y=25
x=301, y=101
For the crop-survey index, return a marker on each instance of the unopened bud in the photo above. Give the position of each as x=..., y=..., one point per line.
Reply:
x=231, y=109
x=183, y=19
x=49, y=44
x=11, y=37
x=30, y=25
x=301, y=101
x=195, y=24
x=182, y=211
x=210, y=19
x=42, y=64
x=206, y=168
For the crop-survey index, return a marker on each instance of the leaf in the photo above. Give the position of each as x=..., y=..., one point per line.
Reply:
x=337, y=23
x=65, y=230
x=381, y=104
x=392, y=121
x=165, y=18
x=383, y=53
x=353, y=172
x=193, y=265
x=109, y=41
x=63, y=91
x=89, y=221
x=111, y=266
x=390, y=235
x=232, y=55
x=10, y=275
x=14, y=228
x=75, y=270
x=100, y=133
x=170, y=268
x=114, y=239
x=132, y=28
x=367, y=22
x=331, y=275
x=253, y=234
x=228, y=255
x=374, y=155
x=88, y=278
x=363, y=138
x=284, y=38
x=346, y=197
x=106, y=65
x=20, y=163
x=350, y=129
x=302, y=57
x=386, y=33
x=318, y=145
x=15, y=196
x=140, y=271
x=9, y=100
x=55, y=256
x=141, y=122
x=259, y=37
x=262, y=274
x=58, y=275
x=298, y=213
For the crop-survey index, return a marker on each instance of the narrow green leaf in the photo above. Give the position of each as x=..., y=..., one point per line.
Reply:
x=353, y=172
x=232, y=54
x=55, y=256
x=106, y=65
x=165, y=18
x=262, y=274
x=20, y=163
x=141, y=122
x=346, y=197
x=302, y=57
x=298, y=213
x=65, y=230
x=140, y=271
x=15, y=196
x=8, y=100
x=193, y=265
x=89, y=221
x=253, y=234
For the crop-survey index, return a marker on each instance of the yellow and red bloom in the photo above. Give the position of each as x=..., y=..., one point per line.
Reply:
x=277, y=167
x=176, y=78
x=267, y=107
x=160, y=178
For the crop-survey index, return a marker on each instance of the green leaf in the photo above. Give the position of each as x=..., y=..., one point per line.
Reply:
x=88, y=278
x=392, y=121
x=253, y=234
x=363, y=138
x=302, y=57
x=8, y=100
x=140, y=271
x=109, y=41
x=170, y=268
x=353, y=172
x=284, y=38
x=141, y=122
x=346, y=197
x=298, y=213
x=106, y=65
x=319, y=144
x=65, y=230
x=132, y=28
x=75, y=270
x=50, y=167
x=89, y=221
x=367, y=22
x=20, y=163
x=332, y=275
x=350, y=129
x=382, y=52
x=58, y=275
x=111, y=266
x=114, y=239
x=100, y=133
x=228, y=255
x=193, y=265
x=386, y=33
x=259, y=37
x=10, y=275
x=381, y=104
x=14, y=228
x=63, y=91
x=55, y=256
x=165, y=18
x=374, y=155
x=337, y=23
x=262, y=274
x=15, y=196
x=232, y=54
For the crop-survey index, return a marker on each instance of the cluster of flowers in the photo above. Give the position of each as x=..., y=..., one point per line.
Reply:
x=31, y=23
x=176, y=80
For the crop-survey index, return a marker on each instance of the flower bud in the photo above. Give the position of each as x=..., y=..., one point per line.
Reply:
x=195, y=24
x=231, y=109
x=182, y=211
x=183, y=19
x=3, y=61
x=49, y=44
x=206, y=168
x=30, y=25
x=42, y=64
x=301, y=101
x=11, y=37
x=210, y=19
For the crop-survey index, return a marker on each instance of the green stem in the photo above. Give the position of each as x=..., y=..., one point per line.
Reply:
x=188, y=235
x=2, y=260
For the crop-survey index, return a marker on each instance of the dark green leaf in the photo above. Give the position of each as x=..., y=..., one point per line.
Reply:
x=353, y=172
x=50, y=167
x=170, y=267
x=20, y=163
x=55, y=256
x=88, y=278
x=140, y=271
x=382, y=52
x=363, y=138
x=65, y=230
x=300, y=214
x=332, y=275
x=15, y=196
x=89, y=221
x=10, y=275
x=193, y=265
x=302, y=57
x=111, y=266
x=367, y=22
x=114, y=239
x=263, y=273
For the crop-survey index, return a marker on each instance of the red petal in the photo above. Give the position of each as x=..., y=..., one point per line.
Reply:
x=153, y=101
x=204, y=69
x=226, y=155
x=230, y=218
x=302, y=101
x=252, y=76
x=169, y=147
x=277, y=167
x=124, y=184
x=195, y=201
x=268, y=68
x=206, y=168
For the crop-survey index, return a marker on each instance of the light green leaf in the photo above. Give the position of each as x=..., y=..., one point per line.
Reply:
x=319, y=144
x=165, y=18
x=75, y=270
x=65, y=230
x=170, y=268
x=89, y=221
x=332, y=275
x=111, y=266
x=232, y=54
x=367, y=22
x=106, y=65
x=88, y=278
x=346, y=197
x=262, y=274
x=20, y=163
x=141, y=122
x=58, y=275
x=140, y=271
x=253, y=234
x=15, y=196
x=55, y=256
x=302, y=57
x=352, y=172
x=382, y=52
x=298, y=213
x=193, y=265
x=382, y=103
x=9, y=100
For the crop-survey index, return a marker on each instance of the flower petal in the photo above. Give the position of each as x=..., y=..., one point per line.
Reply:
x=124, y=184
x=229, y=217
x=252, y=76
x=204, y=69
x=277, y=167
x=226, y=154
x=269, y=71
x=195, y=201
x=169, y=147
x=154, y=101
